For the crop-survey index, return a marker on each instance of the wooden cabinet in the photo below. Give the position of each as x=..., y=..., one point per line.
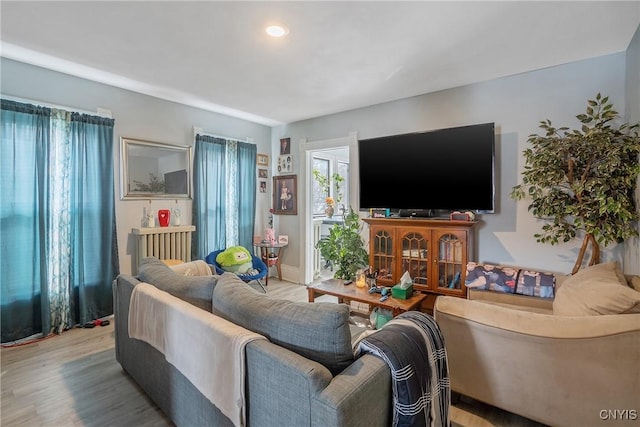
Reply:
x=434, y=252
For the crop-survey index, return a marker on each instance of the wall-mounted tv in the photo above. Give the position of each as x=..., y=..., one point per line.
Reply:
x=440, y=170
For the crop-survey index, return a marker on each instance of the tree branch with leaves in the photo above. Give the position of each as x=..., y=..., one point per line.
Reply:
x=583, y=181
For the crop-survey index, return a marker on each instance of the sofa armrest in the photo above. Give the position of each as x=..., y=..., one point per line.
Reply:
x=536, y=324
x=306, y=390
x=358, y=396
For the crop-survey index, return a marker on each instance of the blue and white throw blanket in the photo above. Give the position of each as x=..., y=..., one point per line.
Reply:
x=413, y=347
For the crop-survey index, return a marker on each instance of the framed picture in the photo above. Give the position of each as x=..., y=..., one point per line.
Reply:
x=262, y=159
x=285, y=146
x=283, y=239
x=285, y=164
x=285, y=195
x=262, y=173
x=263, y=186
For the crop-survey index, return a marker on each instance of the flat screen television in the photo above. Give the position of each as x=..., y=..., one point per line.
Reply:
x=441, y=170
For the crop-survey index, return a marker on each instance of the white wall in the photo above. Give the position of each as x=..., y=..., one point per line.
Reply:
x=516, y=104
x=136, y=116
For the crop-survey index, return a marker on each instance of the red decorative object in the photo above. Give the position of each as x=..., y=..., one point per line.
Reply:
x=164, y=216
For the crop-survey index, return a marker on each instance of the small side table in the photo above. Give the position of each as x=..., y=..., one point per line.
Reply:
x=271, y=256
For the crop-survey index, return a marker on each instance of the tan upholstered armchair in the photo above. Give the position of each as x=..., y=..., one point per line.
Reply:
x=513, y=352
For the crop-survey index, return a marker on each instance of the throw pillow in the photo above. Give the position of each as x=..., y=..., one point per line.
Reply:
x=491, y=277
x=193, y=268
x=596, y=290
x=635, y=283
x=535, y=283
x=196, y=290
x=317, y=331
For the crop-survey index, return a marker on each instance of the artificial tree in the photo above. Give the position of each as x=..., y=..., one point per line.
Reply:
x=583, y=180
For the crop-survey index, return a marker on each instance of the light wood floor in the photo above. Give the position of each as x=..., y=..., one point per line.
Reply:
x=74, y=380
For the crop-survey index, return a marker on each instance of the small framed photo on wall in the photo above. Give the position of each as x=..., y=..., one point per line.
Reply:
x=262, y=159
x=262, y=173
x=285, y=146
x=285, y=195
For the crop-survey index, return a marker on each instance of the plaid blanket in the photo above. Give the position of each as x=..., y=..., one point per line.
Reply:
x=413, y=347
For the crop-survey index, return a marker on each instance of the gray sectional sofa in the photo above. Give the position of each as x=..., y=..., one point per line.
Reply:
x=303, y=374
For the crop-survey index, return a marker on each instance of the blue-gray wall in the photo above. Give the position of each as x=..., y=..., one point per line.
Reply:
x=516, y=104
x=632, y=89
x=136, y=116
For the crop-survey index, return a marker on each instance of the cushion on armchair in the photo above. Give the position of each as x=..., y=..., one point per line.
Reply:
x=196, y=290
x=318, y=331
x=599, y=289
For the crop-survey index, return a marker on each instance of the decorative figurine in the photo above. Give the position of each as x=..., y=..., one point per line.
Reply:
x=151, y=219
x=176, y=216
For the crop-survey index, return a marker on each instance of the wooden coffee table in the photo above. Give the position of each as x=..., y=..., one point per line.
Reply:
x=351, y=292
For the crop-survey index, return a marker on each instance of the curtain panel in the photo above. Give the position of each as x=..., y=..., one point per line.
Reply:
x=224, y=200
x=58, y=251
x=24, y=208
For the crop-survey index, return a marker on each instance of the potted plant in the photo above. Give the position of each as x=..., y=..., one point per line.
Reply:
x=344, y=248
x=582, y=181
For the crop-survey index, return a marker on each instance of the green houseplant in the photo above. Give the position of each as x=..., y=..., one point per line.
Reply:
x=582, y=181
x=344, y=248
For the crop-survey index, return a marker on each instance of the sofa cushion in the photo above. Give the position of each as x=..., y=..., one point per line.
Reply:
x=317, y=331
x=599, y=289
x=196, y=290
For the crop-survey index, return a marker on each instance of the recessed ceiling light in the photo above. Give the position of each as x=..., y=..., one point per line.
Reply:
x=277, y=30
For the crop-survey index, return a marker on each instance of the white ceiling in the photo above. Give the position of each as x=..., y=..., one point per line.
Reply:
x=338, y=55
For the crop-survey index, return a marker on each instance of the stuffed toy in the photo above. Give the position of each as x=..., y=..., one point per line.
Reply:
x=235, y=259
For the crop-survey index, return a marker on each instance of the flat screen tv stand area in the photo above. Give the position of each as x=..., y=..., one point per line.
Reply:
x=433, y=251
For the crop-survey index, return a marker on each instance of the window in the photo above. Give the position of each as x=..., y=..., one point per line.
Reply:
x=334, y=181
x=343, y=188
x=319, y=195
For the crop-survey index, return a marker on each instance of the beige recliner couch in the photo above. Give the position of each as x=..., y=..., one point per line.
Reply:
x=511, y=351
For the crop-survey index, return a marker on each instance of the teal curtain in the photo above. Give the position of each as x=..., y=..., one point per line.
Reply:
x=58, y=249
x=224, y=194
x=94, y=247
x=209, y=195
x=246, y=179
x=24, y=207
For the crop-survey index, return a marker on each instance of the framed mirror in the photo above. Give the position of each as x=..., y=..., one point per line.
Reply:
x=152, y=170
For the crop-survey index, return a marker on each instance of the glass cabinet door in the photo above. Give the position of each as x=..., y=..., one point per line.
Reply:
x=415, y=255
x=451, y=256
x=382, y=254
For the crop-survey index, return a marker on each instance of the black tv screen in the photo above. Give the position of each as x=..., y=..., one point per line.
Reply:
x=445, y=169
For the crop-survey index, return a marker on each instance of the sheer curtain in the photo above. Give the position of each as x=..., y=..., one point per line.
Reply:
x=58, y=252
x=224, y=194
